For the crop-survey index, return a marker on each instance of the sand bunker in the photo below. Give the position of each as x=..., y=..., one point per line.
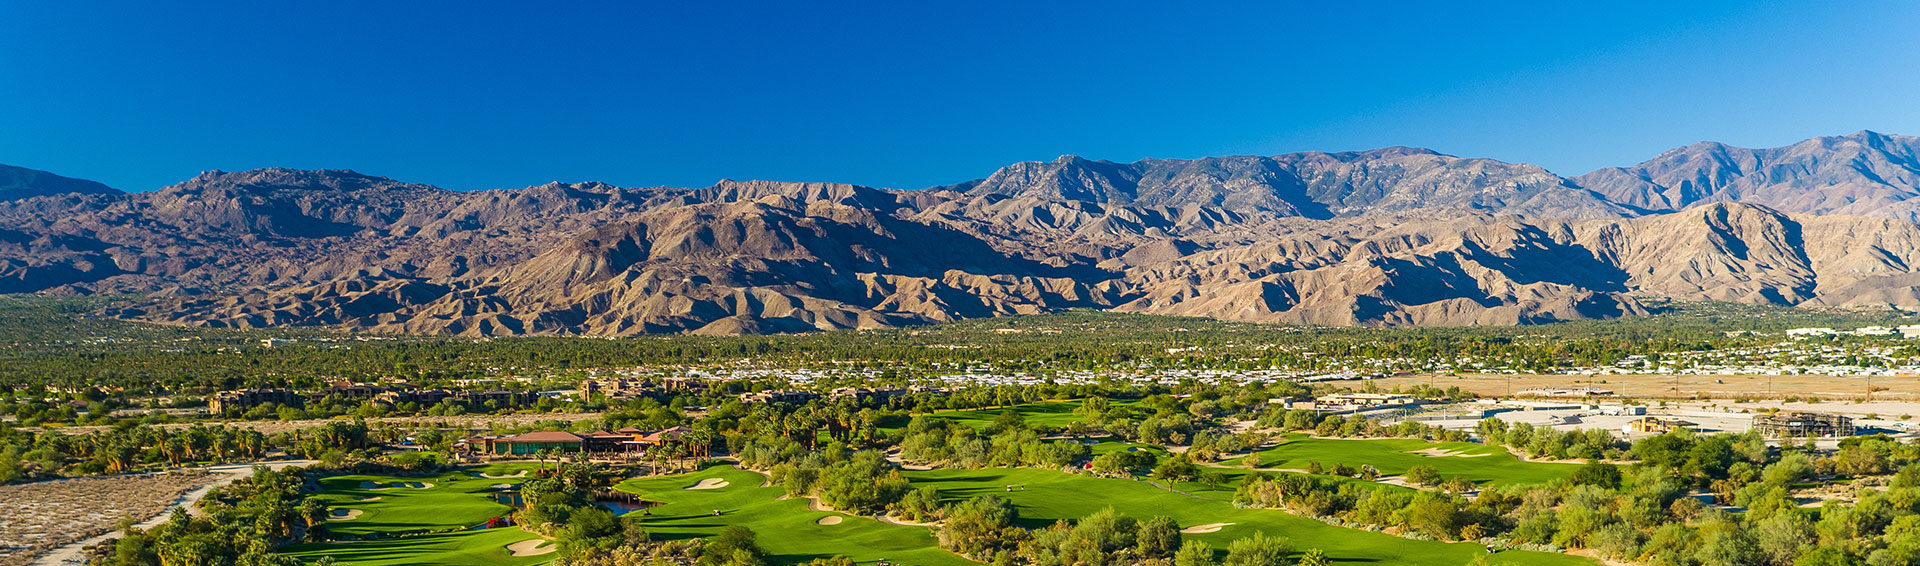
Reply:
x=374, y=498
x=415, y=485
x=501, y=486
x=710, y=483
x=1438, y=453
x=371, y=485
x=519, y=474
x=830, y=520
x=345, y=514
x=1204, y=529
x=532, y=547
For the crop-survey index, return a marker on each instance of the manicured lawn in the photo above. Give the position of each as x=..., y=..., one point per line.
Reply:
x=1047, y=413
x=1392, y=456
x=388, y=505
x=787, y=528
x=1045, y=496
x=464, y=548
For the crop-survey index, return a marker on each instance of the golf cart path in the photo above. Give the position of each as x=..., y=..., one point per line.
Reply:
x=74, y=553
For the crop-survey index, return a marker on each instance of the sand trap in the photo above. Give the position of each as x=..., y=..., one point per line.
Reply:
x=374, y=498
x=710, y=483
x=414, y=485
x=532, y=547
x=520, y=474
x=1438, y=453
x=830, y=520
x=501, y=486
x=345, y=514
x=1204, y=529
x=371, y=485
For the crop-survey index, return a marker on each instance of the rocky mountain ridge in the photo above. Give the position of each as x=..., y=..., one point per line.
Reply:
x=1396, y=236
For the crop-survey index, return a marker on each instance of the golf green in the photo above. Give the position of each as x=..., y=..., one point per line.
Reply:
x=787, y=528
x=464, y=548
x=1392, y=456
x=422, y=517
x=393, y=504
x=1046, y=496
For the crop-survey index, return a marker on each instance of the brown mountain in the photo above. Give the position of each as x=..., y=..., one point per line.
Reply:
x=1395, y=236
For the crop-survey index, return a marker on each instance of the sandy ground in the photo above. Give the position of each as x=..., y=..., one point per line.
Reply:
x=345, y=514
x=1439, y=453
x=460, y=421
x=532, y=547
x=1655, y=386
x=46, y=514
x=519, y=474
x=830, y=520
x=1204, y=529
x=73, y=553
x=709, y=483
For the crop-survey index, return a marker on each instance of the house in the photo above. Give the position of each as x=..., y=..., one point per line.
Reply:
x=239, y=401
x=779, y=396
x=527, y=444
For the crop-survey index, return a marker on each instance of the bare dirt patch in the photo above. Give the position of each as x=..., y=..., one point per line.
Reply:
x=1204, y=529
x=532, y=547
x=710, y=483
x=43, y=515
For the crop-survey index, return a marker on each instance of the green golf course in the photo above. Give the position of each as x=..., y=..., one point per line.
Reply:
x=1045, y=496
x=1392, y=456
x=787, y=529
x=1044, y=413
x=432, y=510
x=464, y=548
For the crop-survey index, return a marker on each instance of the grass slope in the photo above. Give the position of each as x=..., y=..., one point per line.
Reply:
x=1049, y=496
x=464, y=548
x=457, y=500
x=1392, y=456
x=787, y=529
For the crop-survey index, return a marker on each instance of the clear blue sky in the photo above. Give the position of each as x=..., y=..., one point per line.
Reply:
x=474, y=95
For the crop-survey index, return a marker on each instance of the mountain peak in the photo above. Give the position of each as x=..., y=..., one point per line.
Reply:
x=20, y=182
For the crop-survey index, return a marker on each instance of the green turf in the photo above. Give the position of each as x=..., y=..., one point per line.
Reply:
x=1392, y=456
x=1045, y=496
x=464, y=548
x=787, y=529
x=1044, y=413
x=457, y=500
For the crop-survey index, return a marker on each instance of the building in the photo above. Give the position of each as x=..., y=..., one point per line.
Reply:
x=617, y=388
x=527, y=444
x=1566, y=392
x=1803, y=425
x=779, y=396
x=421, y=397
x=239, y=401
x=1657, y=425
x=863, y=394
x=1362, y=401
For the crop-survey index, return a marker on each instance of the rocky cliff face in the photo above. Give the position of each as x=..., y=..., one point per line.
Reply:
x=1395, y=236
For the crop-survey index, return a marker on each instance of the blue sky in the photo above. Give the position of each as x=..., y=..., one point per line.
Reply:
x=472, y=95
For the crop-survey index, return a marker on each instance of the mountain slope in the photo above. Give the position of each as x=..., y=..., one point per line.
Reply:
x=1865, y=173
x=1395, y=236
x=19, y=182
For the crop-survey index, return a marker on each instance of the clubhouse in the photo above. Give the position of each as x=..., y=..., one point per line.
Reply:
x=623, y=441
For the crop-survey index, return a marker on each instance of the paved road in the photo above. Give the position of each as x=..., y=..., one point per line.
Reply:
x=73, y=554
